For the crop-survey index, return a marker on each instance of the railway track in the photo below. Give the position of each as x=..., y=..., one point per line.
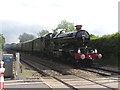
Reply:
x=64, y=72
x=102, y=72
x=114, y=72
x=46, y=74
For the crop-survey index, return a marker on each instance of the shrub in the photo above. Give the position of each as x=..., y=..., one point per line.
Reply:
x=108, y=45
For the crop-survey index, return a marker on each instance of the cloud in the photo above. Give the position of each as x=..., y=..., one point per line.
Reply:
x=12, y=29
x=96, y=16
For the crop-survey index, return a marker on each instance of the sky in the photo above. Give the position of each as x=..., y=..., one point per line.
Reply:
x=99, y=17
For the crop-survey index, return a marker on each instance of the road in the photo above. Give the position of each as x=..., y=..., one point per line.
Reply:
x=22, y=84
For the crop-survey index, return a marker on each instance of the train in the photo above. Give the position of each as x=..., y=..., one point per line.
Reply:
x=63, y=46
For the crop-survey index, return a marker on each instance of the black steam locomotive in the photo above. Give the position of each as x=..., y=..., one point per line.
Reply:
x=69, y=45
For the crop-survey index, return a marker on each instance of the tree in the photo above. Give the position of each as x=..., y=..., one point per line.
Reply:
x=92, y=35
x=43, y=32
x=2, y=41
x=54, y=31
x=25, y=37
x=67, y=26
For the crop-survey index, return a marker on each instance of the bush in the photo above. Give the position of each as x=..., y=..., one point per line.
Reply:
x=2, y=41
x=108, y=45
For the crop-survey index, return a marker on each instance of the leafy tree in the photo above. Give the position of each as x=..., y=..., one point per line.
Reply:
x=55, y=31
x=2, y=41
x=25, y=37
x=43, y=32
x=92, y=36
x=67, y=26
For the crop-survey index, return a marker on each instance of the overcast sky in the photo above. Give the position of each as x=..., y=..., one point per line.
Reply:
x=98, y=17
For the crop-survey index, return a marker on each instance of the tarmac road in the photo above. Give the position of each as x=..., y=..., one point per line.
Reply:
x=25, y=85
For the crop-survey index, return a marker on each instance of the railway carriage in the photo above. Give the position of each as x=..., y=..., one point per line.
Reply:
x=27, y=46
x=18, y=46
x=12, y=46
x=36, y=45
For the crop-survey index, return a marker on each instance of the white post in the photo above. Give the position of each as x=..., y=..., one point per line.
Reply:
x=17, y=65
x=2, y=70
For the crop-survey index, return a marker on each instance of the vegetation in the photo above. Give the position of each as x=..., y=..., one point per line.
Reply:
x=25, y=37
x=2, y=41
x=108, y=45
x=43, y=32
x=92, y=36
x=67, y=26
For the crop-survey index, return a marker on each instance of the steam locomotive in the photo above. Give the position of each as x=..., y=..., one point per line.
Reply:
x=65, y=46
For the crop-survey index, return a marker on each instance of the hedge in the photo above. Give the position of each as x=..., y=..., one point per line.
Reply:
x=108, y=45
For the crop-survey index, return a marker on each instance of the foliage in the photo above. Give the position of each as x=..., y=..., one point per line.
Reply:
x=92, y=36
x=67, y=26
x=25, y=37
x=43, y=32
x=55, y=31
x=108, y=45
x=2, y=41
